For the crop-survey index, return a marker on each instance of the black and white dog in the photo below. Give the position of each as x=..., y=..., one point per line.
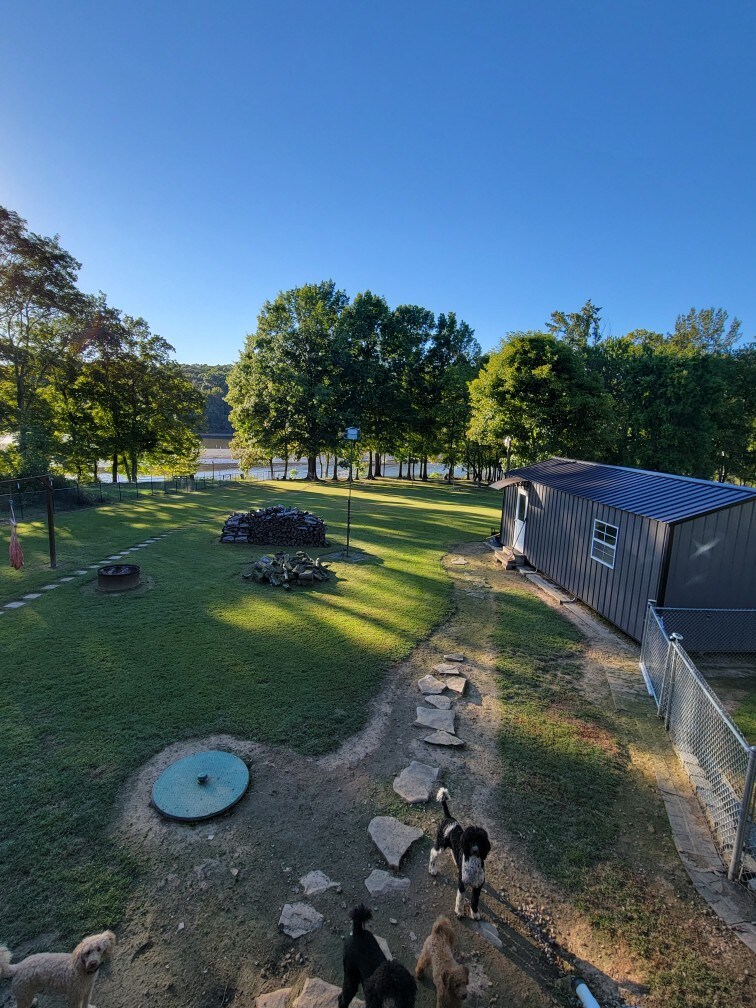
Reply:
x=384, y=980
x=470, y=848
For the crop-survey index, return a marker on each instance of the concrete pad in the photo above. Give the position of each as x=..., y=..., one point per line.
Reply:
x=299, y=919
x=31, y=596
x=13, y=605
x=439, y=702
x=429, y=684
x=456, y=684
x=383, y=883
x=49, y=587
x=80, y=572
x=65, y=579
x=392, y=838
x=443, y=738
x=315, y=882
x=416, y=782
x=441, y=720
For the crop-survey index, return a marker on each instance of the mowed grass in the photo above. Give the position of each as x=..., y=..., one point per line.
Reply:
x=91, y=686
x=586, y=819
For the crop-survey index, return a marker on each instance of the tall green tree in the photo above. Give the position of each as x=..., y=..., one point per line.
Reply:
x=37, y=290
x=286, y=391
x=537, y=390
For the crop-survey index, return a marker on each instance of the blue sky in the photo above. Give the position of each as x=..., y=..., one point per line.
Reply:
x=497, y=159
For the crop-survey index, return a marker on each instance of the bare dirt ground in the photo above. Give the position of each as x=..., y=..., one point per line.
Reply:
x=203, y=929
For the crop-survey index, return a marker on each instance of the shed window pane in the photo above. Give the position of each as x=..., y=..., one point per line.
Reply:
x=604, y=542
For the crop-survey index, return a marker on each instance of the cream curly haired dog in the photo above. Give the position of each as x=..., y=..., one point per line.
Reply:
x=450, y=977
x=70, y=973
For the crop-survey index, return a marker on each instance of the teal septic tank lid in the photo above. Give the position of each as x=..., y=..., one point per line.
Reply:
x=200, y=786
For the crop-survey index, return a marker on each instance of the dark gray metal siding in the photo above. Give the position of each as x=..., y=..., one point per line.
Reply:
x=713, y=561
x=558, y=542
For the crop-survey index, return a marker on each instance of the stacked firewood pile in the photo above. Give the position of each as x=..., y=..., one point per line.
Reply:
x=277, y=524
x=282, y=569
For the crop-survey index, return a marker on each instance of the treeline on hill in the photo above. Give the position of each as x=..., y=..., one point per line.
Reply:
x=419, y=388
x=79, y=380
x=212, y=382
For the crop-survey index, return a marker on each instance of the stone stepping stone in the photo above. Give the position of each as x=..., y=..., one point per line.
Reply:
x=456, y=684
x=392, y=838
x=439, y=702
x=429, y=685
x=447, y=668
x=116, y=556
x=80, y=572
x=316, y=993
x=489, y=932
x=315, y=882
x=382, y=883
x=459, y=562
x=49, y=587
x=28, y=598
x=454, y=657
x=299, y=919
x=13, y=605
x=415, y=783
x=274, y=999
x=441, y=720
x=63, y=580
x=443, y=738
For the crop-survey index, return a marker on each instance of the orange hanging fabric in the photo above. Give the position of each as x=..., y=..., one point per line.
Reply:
x=15, y=552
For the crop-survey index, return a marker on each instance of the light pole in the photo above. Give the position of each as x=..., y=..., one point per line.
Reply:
x=508, y=443
x=352, y=435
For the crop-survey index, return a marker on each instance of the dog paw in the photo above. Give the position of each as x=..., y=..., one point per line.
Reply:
x=474, y=915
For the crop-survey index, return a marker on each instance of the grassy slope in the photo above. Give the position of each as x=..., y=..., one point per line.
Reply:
x=584, y=815
x=91, y=686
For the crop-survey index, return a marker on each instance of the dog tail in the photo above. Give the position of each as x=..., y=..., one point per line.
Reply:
x=443, y=927
x=5, y=962
x=360, y=916
x=443, y=796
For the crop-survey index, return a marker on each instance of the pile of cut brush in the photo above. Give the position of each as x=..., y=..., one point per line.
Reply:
x=277, y=524
x=282, y=569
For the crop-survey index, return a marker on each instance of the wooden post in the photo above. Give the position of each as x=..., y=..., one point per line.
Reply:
x=50, y=521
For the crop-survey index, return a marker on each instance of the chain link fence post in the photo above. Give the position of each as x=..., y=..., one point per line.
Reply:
x=744, y=818
x=668, y=680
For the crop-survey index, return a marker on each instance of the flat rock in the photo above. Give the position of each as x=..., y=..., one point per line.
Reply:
x=416, y=782
x=439, y=702
x=315, y=882
x=442, y=720
x=429, y=684
x=447, y=668
x=275, y=999
x=299, y=919
x=382, y=883
x=489, y=932
x=454, y=657
x=443, y=738
x=456, y=684
x=458, y=562
x=316, y=993
x=392, y=838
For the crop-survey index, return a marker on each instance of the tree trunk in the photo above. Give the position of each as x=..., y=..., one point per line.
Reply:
x=335, y=475
x=401, y=463
x=424, y=468
x=370, y=465
x=312, y=471
x=378, y=470
x=270, y=463
x=114, y=470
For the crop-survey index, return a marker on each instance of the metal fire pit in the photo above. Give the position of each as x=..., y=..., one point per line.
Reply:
x=118, y=577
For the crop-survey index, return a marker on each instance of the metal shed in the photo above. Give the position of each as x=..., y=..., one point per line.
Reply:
x=615, y=537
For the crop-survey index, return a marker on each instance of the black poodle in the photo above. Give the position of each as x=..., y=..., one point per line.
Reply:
x=382, y=979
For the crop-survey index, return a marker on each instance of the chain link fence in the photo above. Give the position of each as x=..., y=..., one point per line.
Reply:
x=718, y=760
x=30, y=502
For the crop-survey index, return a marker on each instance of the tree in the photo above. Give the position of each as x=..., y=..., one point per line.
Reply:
x=577, y=329
x=212, y=382
x=37, y=289
x=286, y=391
x=538, y=391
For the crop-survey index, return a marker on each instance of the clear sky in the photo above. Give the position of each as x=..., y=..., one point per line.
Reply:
x=498, y=159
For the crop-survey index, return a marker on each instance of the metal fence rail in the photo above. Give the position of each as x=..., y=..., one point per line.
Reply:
x=720, y=763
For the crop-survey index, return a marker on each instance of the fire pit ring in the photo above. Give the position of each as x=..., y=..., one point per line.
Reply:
x=118, y=577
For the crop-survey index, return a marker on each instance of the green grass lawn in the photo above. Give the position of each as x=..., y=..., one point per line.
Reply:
x=91, y=686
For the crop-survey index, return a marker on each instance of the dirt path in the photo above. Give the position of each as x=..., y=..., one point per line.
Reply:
x=203, y=931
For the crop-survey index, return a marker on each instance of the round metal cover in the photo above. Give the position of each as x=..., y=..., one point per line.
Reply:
x=200, y=786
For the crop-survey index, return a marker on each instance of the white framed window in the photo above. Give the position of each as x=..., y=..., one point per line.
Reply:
x=604, y=542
